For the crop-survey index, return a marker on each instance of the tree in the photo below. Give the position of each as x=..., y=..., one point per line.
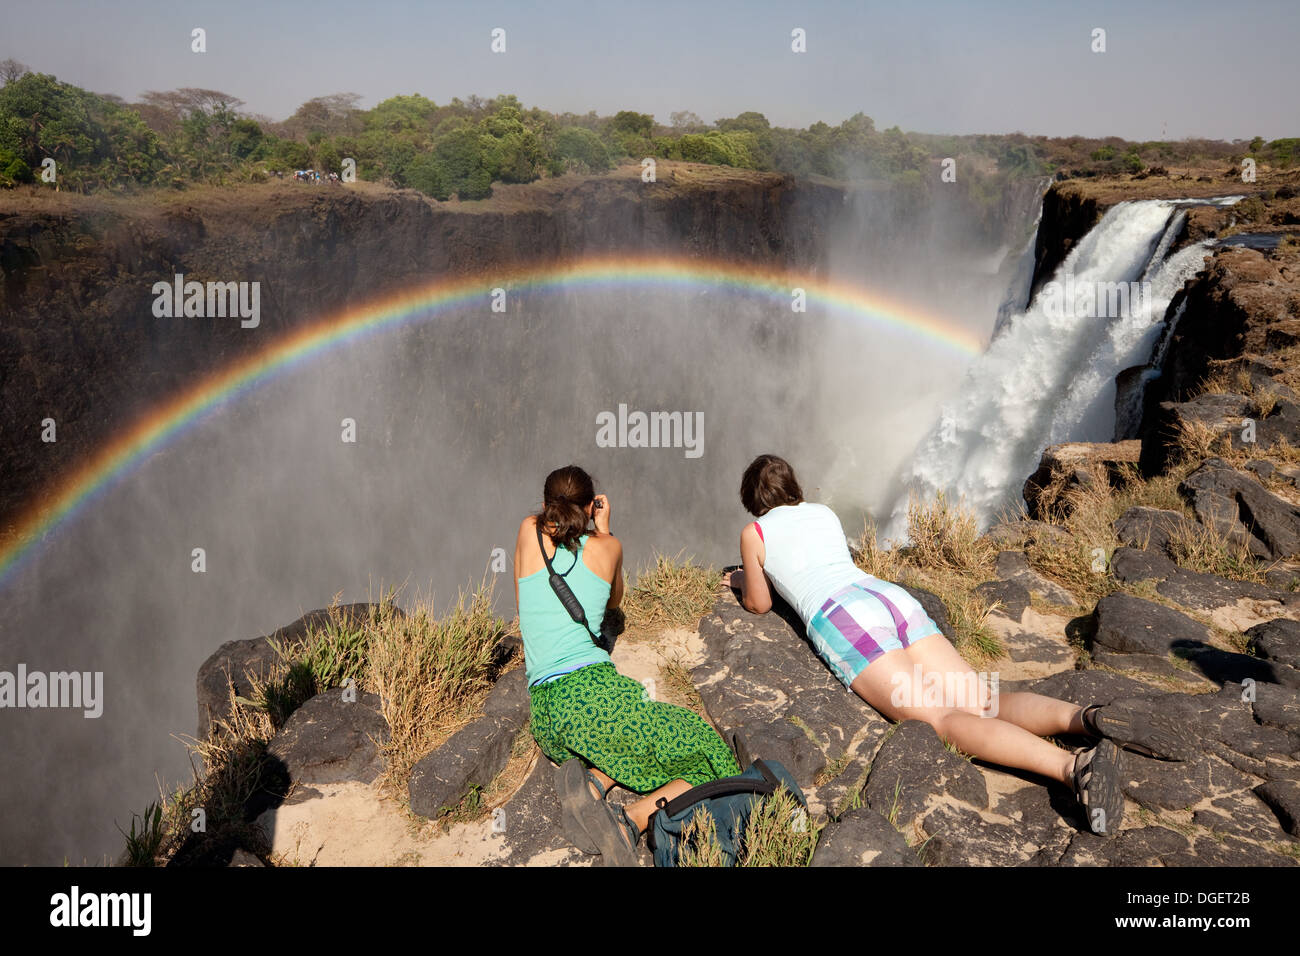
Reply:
x=10, y=70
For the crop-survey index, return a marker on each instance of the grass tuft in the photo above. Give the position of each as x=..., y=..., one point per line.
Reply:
x=673, y=592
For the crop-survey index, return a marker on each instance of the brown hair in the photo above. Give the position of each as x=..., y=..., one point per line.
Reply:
x=567, y=492
x=768, y=483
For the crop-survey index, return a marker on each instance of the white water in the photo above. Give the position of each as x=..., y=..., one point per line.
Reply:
x=1049, y=376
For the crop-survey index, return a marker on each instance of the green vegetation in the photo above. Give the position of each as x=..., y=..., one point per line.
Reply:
x=461, y=148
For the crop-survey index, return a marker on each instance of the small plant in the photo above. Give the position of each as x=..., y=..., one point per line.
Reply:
x=142, y=848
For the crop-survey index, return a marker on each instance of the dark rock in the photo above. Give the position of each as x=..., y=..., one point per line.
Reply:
x=1191, y=589
x=255, y=658
x=1011, y=564
x=1014, y=566
x=472, y=756
x=1083, y=687
x=330, y=739
x=770, y=695
x=1131, y=565
x=914, y=768
x=1149, y=528
x=959, y=836
x=244, y=858
x=1075, y=465
x=509, y=697
x=1132, y=625
x=862, y=837
x=1283, y=798
x=529, y=825
x=1235, y=503
x=1012, y=595
x=1277, y=640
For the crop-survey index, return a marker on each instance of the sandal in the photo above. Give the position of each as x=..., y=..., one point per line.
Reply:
x=591, y=824
x=1138, y=730
x=1098, y=786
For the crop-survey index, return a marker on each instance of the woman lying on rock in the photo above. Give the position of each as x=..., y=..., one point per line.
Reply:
x=598, y=724
x=880, y=643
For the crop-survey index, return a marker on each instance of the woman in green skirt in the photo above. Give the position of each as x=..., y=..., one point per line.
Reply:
x=600, y=726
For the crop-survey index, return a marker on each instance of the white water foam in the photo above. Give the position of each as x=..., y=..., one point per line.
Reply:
x=1049, y=376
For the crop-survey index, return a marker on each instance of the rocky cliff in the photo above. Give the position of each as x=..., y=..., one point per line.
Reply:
x=79, y=342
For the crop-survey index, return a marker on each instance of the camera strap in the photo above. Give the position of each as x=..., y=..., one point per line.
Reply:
x=562, y=589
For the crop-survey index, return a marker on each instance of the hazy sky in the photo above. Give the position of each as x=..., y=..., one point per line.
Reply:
x=1177, y=69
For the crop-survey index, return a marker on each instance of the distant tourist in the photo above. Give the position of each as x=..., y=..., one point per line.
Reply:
x=600, y=726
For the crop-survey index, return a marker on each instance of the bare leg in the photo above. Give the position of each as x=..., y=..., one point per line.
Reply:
x=640, y=811
x=890, y=684
x=1035, y=713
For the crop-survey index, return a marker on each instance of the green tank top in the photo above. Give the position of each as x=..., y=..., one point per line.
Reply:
x=553, y=641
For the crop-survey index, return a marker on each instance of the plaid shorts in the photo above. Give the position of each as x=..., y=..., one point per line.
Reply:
x=862, y=621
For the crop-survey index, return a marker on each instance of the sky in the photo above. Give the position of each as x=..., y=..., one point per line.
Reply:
x=1170, y=70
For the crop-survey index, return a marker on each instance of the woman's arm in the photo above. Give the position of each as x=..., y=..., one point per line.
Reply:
x=752, y=582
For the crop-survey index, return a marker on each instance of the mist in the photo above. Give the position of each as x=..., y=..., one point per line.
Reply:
x=458, y=420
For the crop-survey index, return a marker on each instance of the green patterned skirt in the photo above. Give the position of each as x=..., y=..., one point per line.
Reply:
x=608, y=720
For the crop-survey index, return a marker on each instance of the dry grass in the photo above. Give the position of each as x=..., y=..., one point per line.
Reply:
x=779, y=832
x=945, y=537
x=673, y=592
x=1205, y=548
x=431, y=676
x=944, y=554
x=234, y=770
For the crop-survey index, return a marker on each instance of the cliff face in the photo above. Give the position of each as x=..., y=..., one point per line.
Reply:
x=79, y=342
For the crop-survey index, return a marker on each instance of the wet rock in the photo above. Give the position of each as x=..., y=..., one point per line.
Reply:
x=862, y=837
x=332, y=738
x=238, y=662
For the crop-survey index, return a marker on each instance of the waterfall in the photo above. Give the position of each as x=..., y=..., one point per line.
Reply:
x=1049, y=376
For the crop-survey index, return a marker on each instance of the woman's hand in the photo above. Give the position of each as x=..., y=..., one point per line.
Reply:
x=600, y=514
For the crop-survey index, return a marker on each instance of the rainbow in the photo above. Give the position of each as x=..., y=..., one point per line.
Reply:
x=120, y=455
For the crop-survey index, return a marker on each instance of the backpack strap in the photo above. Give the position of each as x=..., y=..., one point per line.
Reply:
x=725, y=787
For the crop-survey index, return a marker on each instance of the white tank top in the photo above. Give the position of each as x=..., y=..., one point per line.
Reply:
x=807, y=555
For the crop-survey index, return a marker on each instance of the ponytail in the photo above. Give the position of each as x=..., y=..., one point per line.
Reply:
x=566, y=494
